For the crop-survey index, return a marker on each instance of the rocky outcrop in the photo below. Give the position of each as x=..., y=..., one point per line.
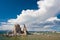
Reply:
x=17, y=30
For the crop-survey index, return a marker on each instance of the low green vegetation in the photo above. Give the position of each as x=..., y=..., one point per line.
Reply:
x=55, y=36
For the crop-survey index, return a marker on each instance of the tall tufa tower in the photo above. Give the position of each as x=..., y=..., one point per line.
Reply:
x=25, y=30
x=17, y=29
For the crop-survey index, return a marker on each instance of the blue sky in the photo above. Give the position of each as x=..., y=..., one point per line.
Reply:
x=10, y=8
x=38, y=15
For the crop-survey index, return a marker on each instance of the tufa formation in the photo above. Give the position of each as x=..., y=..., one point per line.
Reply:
x=17, y=30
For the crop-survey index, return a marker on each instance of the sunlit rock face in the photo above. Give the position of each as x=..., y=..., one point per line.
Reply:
x=17, y=30
x=25, y=30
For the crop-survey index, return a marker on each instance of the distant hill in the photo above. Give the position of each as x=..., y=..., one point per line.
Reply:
x=4, y=31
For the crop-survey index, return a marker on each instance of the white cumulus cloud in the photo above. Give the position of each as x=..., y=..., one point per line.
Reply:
x=47, y=9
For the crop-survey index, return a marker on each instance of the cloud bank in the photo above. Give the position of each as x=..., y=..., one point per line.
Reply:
x=47, y=9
